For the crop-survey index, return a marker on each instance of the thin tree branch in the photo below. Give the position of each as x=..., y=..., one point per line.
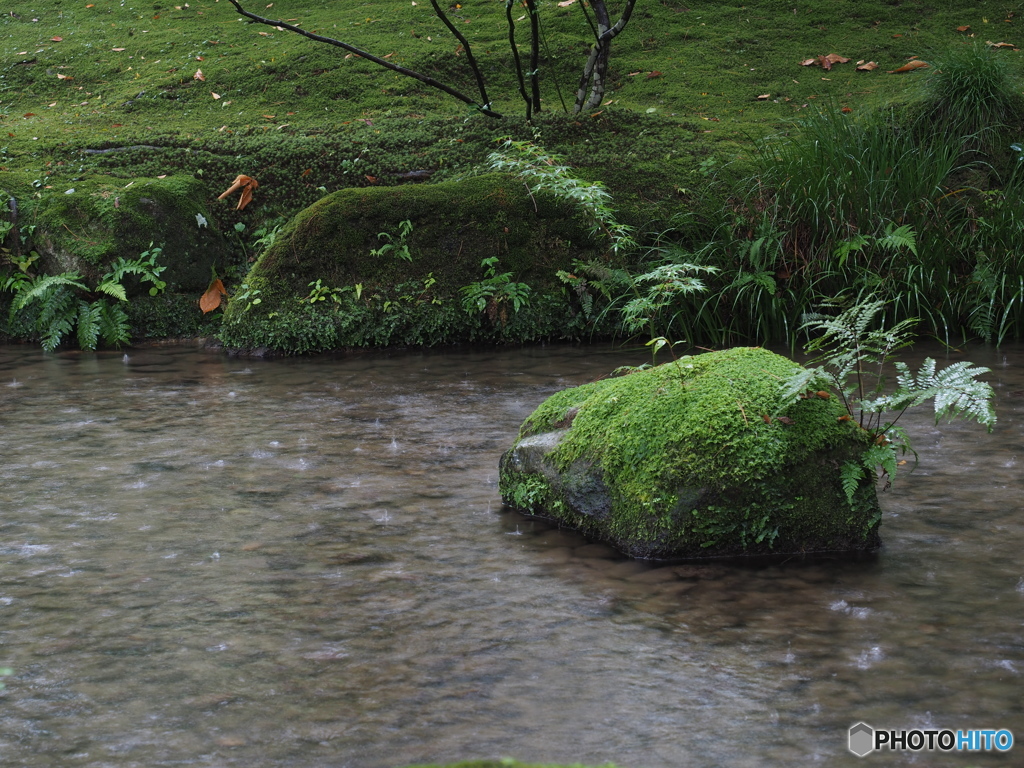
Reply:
x=484, y=108
x=531, y=7
x=515, y=57
x=469, y=51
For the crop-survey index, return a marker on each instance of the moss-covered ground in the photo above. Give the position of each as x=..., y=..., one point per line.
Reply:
x=686, y=85
x=96, y=95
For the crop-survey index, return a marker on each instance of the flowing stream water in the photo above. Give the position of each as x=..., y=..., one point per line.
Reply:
x=219, y=562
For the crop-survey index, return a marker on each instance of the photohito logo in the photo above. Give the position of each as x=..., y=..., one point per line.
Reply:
x=864, y=740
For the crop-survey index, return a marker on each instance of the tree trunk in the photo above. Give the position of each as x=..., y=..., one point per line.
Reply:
x=595, y=72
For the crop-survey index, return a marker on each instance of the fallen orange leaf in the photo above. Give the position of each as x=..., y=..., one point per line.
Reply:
x=1000, y=45
x=655, y=73
x=64, y=77
x=211, y=299
x=964, y=28
x=867, y=67
x=245, y=183
x=57, y=39
x=910, y=66
x=825, y=62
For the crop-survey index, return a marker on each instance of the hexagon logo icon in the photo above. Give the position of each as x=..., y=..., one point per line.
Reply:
x=862, y=739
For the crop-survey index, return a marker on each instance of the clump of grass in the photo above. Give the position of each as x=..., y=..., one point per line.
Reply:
x=973, y=93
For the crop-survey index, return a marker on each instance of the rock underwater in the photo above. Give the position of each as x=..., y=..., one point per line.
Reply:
x=695, y=458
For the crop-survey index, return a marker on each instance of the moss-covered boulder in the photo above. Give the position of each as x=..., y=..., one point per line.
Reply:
x=695, y=458
x=87, y=224
x=385, y=265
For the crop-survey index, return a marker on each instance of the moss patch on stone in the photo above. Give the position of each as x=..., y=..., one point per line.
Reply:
x=694, y=460
x=85, y=225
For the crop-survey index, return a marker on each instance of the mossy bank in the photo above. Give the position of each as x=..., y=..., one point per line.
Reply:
x=466, y=260
x=695, y=458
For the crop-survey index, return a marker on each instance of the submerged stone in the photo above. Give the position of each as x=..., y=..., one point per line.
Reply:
x=695, y=458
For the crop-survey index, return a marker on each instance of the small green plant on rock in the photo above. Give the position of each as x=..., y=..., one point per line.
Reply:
x=852, y=359
x=396, y=245
x=495, y=293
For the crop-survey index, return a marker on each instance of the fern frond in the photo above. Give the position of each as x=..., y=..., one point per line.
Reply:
x=899, y=237
x=56, y=317
x=883, y=456
x=850, y=474
x=45, y=284
x=113, y=322
x=88, y=324
x=112, y=288
x=801, y=381
x=955, y=390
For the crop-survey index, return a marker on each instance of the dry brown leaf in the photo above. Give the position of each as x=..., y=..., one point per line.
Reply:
x=846, y=110
x=245, y=183
x=199, y=76
x=964, y=28
x=910, y=66
x=57, y=39
x=211, y=299
x=119, y=49
x=868, y=66
x=655, y=73
x=1000, y=45
x=566, y=3
x=764, y=96
x=825, y=62
x=64, y=77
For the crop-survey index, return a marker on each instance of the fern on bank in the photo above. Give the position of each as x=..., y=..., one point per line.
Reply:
x=67, y=304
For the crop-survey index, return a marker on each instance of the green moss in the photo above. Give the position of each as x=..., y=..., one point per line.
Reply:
x=381, y=299
x=170, y=316
x=83, y=225
x=694, y=459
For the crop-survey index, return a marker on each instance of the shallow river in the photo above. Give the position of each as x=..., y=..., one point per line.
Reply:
x=220, y=562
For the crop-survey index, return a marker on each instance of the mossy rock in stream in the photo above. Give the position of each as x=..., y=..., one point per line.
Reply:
x=695, y=458
x=410, y=293
x=87, y=224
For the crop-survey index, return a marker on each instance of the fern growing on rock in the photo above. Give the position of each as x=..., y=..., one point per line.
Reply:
x=853, y=355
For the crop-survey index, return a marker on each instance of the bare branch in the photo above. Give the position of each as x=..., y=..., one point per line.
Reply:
x=515, y=58
x=484, y=108
x=469, y=51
